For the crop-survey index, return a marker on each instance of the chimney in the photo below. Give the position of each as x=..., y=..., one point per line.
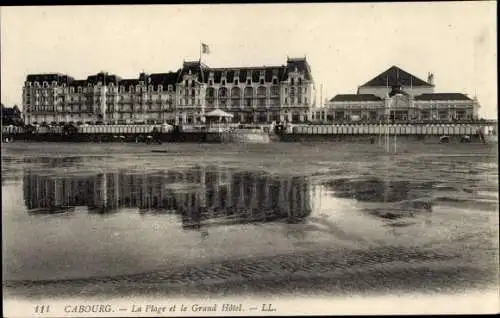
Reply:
x=430, y=78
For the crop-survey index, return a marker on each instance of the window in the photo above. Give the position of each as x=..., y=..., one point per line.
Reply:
x=186, y=83
x=160, y=88
x=275, y=90
x=210, y=82
x=261, y=91
x=248, y=92
x=235, y=92
x=275, y=81
x=223, y=82
x=169, y=87
x=292, y=81
x=249, y=81
x=261, y=81
x=222, y=92
x=236, y=82
x=210, y=92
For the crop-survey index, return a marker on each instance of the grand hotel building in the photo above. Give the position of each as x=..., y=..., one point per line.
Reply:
x=398, y=95
x=252, y=94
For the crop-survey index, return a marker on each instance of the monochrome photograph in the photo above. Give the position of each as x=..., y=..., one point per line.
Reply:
x=249, y=159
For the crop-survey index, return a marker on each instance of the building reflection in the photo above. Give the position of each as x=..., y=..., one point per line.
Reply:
x=201, y=195
x=388, y=199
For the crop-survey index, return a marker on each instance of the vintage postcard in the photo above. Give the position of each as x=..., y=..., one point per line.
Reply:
x=249, y=160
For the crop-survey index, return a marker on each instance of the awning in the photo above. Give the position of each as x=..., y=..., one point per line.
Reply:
x=219, y=113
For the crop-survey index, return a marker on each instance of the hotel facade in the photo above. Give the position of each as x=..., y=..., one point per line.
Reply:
x=252, y=94
x=397, y=95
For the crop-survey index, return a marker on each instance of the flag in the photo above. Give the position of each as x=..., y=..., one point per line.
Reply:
x=205, y=49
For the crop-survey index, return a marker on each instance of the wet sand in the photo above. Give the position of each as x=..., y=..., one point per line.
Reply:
x=341, y=219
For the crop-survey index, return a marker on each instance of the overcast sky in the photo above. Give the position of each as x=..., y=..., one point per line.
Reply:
x=345, y=44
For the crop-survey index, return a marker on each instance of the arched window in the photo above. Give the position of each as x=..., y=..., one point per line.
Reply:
x=235, y=92
x=222, y=92
x=248, y=91
x=261, y=91
x=275, y=90
x=210, y=92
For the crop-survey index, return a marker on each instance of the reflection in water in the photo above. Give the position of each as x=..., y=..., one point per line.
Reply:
x=386, y=199
x=201, y=195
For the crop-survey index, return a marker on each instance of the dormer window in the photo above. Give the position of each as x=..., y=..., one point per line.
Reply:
x=122, y=88
x=138, y=88
x=150, y=88
x=160, y=88
x=89, y=85
x=275, y=81
x=37, y=84
x=169, y=87
x=54, y=83
x=45, y=84
x=80, y=89
x=71, y=89
x=131, y=88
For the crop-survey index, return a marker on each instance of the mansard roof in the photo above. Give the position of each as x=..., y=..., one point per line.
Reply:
x=49, y=78
x=197, y=68
x=247, y=72
x=355, y=98
x=164, y=79
x=442, y=96
x=78, y=83
x=103, y=78
x=129, y=81
x=193, y=67
x=395, y=76
x=302, y=66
